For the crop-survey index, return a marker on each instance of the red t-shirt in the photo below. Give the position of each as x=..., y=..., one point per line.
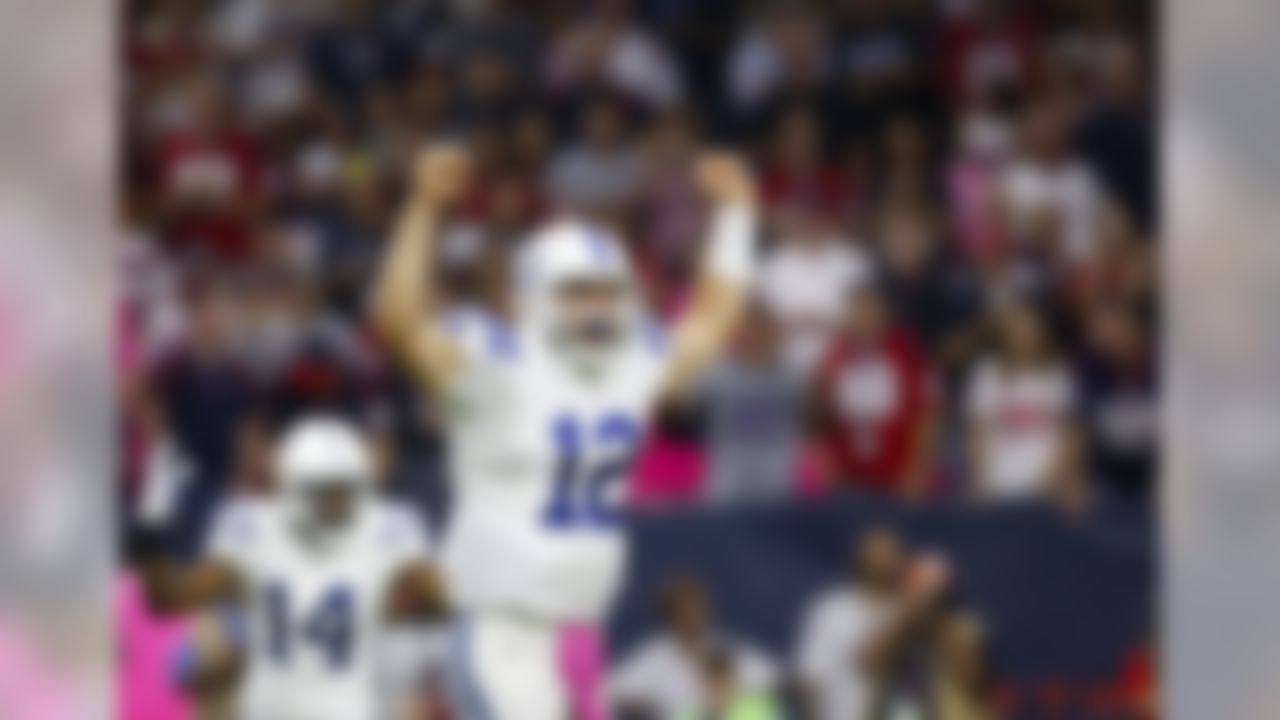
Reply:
x=225, y=171
x=871, y=399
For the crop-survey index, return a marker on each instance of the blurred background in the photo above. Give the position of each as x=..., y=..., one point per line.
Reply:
x=950, y=360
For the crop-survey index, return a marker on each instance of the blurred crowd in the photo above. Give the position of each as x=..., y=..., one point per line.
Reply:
x=956, y=302
x=957, y=295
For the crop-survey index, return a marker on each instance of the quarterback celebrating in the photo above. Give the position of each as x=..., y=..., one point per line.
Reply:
x=543, y=417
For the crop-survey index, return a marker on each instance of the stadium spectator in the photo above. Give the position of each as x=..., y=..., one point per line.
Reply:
x=208, y=175
x=838, y=624
x=804, y=282
x=662, y=678
x=1021, y=409
x=783, y=52
x=610, y=49
x=904, y=174
x=604, y=171
x=1052, y=196
x=914, y=274
x=1118, y=401
x=1114, y=135
x=203, y=389
x=725, y=701
x=487, y=89
x=875, y=404
x=986, y=46
x=1122, y=270
x=880, y=57
x=671, y=213
x=355, y=48
x=800, y=174
x=754, y=408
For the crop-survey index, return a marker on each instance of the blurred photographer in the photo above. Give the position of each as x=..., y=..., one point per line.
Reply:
x=665, y=677
x=928, y=659
x=839, y=624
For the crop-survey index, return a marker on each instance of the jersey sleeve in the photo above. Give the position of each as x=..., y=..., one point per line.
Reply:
x=237, y=528
x=651, y=355
x=402, y=537
x=488, y=346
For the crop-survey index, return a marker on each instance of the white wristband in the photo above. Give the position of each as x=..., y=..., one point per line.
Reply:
x=165, y=475
x=732, y=251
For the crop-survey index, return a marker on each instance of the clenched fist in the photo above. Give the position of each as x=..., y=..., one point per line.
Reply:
x=440, y=175
x=725, y=178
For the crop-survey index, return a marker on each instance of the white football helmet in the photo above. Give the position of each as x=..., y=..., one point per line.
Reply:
x=574, y=255
x=323, y=469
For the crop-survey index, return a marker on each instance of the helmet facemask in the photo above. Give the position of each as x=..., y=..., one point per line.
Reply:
x=589, y=323
x=324, y=474
x=325, y=510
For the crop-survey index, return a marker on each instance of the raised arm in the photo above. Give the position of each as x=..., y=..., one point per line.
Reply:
x=724, y=280
x=403, y=297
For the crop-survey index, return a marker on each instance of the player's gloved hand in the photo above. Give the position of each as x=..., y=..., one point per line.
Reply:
x=441, y=174
x=166, y=474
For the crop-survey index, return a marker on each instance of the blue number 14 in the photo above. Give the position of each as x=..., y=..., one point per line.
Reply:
x=580, y=495
x=329, y=626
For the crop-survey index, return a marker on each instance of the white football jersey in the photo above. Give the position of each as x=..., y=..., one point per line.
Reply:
x=539, y=457
x=313, y=620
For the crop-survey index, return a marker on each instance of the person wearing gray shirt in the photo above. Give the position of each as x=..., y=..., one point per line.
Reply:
x=753, y=407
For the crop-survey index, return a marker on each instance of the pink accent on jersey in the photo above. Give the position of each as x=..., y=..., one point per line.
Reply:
x=583, y=667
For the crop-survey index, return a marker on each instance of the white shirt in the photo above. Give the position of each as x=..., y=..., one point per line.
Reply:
x=1068, y=188
x=1024, y=413
x=836, y=628
x=662, y=676
x=807, y=288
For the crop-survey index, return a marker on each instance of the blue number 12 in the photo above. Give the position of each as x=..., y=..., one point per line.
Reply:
x=580, y=495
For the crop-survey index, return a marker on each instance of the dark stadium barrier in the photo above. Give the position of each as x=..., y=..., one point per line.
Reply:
x=1063, y=598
